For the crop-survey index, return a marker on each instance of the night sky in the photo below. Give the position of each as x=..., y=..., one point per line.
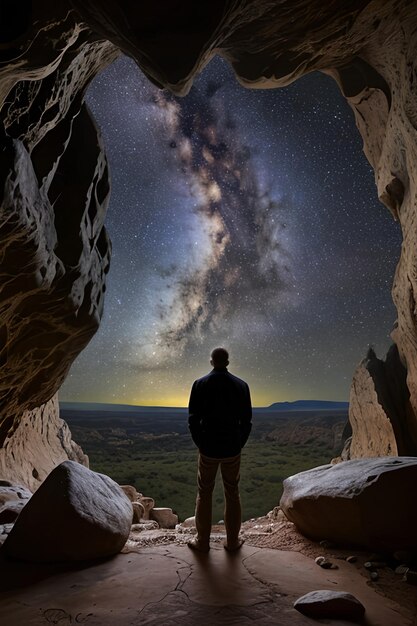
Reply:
x=242, y=218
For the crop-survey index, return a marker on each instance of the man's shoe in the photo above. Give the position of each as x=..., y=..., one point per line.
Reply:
x=235, y=547
x=194, y=544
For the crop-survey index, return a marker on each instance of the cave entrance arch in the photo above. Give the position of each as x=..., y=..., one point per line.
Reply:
x=329, y=238
x=275, y=212
x=49, y=138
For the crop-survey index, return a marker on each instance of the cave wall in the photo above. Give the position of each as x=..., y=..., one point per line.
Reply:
x=39, y=443
x=54, y=193
x=55, y=252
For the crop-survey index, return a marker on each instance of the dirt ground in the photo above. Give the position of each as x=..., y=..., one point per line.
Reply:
x=274, y=531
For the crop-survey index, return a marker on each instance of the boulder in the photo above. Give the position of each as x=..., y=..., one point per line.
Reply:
x=12, y=500
x=76, y=514
x=364, y=502
x=138, y=512
x=164, y=516
x=330, y=604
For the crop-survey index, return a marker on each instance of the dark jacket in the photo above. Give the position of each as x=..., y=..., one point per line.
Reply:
x=220, y=414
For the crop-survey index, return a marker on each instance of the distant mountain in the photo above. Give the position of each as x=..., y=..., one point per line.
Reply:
x=298, y=405
x=308, y=405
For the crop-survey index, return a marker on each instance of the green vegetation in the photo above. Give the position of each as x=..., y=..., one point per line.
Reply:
x=155, y=454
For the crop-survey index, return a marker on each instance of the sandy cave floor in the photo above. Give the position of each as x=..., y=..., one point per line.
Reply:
x=159, y=580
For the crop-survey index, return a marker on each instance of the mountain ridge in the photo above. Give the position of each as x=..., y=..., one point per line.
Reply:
x=297, y=405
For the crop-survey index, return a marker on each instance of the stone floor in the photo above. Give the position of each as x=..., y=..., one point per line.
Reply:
x=171, y=585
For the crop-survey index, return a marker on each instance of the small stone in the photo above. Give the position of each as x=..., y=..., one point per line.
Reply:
x=368, y=565
x=374, y=575
x=325, y=564
x=164, y=516
x=351, y=559
x=331, y=604
x=326, y=544
x=401, y=569
x=189, y=522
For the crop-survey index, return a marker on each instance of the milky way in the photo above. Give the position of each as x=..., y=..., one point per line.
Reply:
x=240, y=218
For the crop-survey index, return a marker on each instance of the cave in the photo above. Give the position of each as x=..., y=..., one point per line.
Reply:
x=55, y=249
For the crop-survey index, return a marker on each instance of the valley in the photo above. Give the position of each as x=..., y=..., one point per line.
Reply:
x=150, y=448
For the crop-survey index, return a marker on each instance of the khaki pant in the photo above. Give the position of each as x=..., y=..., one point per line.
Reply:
x=207, y=470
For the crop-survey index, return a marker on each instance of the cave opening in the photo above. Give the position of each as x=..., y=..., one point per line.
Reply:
x=243, y=217
x=56, y=253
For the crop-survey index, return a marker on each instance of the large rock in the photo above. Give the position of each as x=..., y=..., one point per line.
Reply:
x=40, y=442
x=74, y=515
x=364, y=502
x=330, y=604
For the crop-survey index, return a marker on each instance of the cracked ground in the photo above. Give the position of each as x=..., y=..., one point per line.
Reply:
x=170, y=584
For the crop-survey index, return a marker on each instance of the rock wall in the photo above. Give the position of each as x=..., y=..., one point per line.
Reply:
x=381, y=87
x=54, y=193
x=380, y=414
x=40, y=442
x=54, y=248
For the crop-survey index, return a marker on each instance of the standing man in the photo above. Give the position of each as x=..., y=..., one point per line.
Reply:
x=220, y=415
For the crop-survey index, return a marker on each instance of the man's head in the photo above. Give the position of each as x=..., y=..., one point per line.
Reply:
x=219, y=357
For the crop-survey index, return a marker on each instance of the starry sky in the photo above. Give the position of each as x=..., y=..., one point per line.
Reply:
x=241, y=218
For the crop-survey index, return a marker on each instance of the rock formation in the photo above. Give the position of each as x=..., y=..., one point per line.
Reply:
x=55, y=183
x=55, y=251
x=144, y=510
x=380, y=415
x=76, y=514
x=40, y=442
x=363, y=502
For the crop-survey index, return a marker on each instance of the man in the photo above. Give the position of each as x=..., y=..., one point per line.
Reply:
x=220, y=415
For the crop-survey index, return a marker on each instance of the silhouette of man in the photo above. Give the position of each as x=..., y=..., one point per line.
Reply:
x=220, y=420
